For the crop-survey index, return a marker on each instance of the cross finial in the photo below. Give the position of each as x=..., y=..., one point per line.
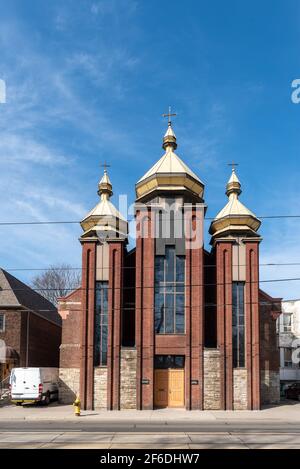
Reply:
x=169, y=115
x=105, y=166
x=233, y=164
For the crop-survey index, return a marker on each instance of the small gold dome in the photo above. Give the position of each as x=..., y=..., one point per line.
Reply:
x=234, y=217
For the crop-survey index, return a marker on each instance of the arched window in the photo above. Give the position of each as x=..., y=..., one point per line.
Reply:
x=169, y=293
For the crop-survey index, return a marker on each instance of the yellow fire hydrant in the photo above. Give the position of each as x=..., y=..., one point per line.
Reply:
x=77, y=405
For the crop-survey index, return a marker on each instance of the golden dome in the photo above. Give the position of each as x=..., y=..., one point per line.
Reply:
x=234, y=217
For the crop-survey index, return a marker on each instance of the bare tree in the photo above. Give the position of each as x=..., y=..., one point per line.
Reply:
x=56, y=281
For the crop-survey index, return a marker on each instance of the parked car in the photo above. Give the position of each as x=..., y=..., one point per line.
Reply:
x=33, y=385
x=293, y=391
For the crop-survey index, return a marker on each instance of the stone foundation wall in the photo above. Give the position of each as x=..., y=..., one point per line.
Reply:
x=100, y=388
x=128, y=379
x=212, y=385
x=68, y=384
x=240, y=389
x=270, y=387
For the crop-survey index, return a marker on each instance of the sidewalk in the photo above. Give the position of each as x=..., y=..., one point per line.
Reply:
x=287, y=411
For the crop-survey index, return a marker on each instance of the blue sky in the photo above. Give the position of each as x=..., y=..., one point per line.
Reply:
x=87, y=81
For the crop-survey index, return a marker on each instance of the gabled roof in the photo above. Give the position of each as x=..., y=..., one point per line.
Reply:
x=14, y=293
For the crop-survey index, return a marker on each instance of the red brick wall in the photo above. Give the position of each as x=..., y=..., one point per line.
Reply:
x=269, y=310
x=44, y=339
x=12, y=333
x=70, y=310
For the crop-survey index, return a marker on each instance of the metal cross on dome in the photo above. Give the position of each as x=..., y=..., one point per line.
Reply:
x=105, y=166
x=233, y=164
x=169, y=115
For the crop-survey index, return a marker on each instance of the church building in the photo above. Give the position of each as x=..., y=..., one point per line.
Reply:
x=170, y=323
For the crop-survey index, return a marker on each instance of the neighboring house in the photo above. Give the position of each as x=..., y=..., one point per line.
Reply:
x=30, y=327
x=288, y=327
x=169, y=323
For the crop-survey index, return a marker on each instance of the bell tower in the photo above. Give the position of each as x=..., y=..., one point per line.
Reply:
x=169, y=282
x=103, y=246
x=235, y=242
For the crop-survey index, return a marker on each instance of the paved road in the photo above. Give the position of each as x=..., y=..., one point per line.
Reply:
x=128, y=434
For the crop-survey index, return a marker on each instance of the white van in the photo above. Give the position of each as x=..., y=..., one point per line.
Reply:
x=33, y=385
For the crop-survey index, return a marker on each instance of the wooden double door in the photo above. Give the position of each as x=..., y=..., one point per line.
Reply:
x=169, y=388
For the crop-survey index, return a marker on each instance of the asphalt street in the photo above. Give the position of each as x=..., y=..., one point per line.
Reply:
x=56, y=426
x=130, y=434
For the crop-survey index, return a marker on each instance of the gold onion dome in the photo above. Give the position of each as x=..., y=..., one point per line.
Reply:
x=169, y=173
x=169, y=138
x=104, y=218
x=105, y=186
x=234, y=217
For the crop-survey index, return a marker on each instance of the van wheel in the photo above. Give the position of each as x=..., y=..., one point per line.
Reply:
x=47, y=399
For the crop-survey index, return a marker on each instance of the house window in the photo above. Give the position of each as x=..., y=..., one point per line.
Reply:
x=238, y=325
x=287, y=322
x=101, y=324
x=288, y=362
x=169, y=293
x=2, y=322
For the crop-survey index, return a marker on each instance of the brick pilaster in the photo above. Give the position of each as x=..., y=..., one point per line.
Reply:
x=115, y=297
x=224, y=320
x=252, y=324
x=194, y=315
x=87, y=323
x=145, y=309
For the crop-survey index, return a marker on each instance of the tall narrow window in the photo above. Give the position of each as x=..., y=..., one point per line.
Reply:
x=238, y=325
x=2, y=322
x=169, y=293
x=101, y=324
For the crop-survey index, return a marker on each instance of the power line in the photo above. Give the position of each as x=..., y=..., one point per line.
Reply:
x=154, y=286
x=45, y=269
x=152, y=307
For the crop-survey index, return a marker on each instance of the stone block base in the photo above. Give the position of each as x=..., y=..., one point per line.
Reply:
x=212, y=384
x=68, y=384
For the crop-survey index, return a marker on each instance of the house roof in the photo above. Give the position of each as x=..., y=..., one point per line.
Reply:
x=14, y=293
